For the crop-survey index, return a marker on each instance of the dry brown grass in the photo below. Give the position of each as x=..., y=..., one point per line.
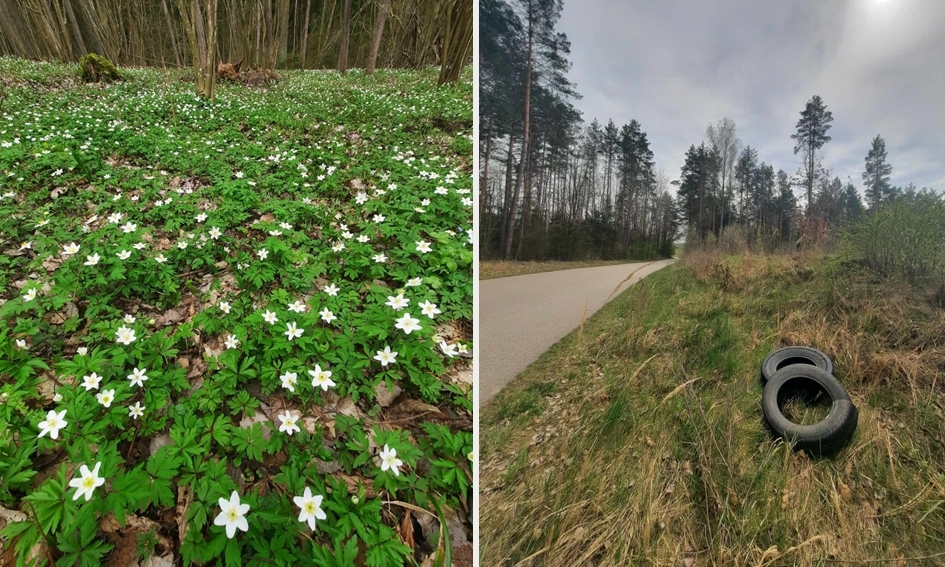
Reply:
x=641, y=441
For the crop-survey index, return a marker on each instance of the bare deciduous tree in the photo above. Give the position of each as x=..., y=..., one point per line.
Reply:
x=200, y=26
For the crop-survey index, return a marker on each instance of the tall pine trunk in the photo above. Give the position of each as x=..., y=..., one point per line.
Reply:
x=525, y=139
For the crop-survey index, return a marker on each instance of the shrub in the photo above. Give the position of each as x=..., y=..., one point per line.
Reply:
x=903, y=239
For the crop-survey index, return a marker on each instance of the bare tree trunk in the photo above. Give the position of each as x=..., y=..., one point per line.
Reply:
x=376, y=38
x=507, y=199
x=202, y=36
x=525, y=138
x=74, y=26
x=457, y=40
x=282, y=44
x=345, y=33
x=211, y=69
x=308, y=6
x=170, y=32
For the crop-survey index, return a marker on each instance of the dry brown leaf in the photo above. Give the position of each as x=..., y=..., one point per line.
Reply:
x=15, y=252
x=52, y=263
x=110, y=525
x=162, y=561
x=459, y=376
x=346, y=406
x=47, y=388
x=185, y=497
x=169, y=317
x=355, y=482
x=405, y=531
x=414, y=407
x=10, y=516
x=386, y=395
x=197, y=368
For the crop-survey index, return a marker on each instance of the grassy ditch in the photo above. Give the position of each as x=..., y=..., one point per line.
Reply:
x=500, y=269
x=640, y=440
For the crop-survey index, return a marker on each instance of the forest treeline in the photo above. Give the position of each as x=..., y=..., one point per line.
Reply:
x=266, y=34
x=554, y=187
x=551, y=187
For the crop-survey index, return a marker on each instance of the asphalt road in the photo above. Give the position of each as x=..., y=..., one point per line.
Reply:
x=523, y=316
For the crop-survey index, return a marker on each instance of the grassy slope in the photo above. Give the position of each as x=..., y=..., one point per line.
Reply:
x=597, y=455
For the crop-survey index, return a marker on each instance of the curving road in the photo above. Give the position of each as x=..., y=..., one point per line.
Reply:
x=523, y=316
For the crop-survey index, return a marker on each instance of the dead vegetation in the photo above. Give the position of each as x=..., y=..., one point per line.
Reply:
x=233, y=73
x=641, y=441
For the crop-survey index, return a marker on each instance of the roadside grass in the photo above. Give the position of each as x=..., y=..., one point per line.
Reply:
x=639, y=439
x=499, y=269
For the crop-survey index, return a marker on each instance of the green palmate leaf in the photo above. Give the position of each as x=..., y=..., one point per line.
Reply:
x=234, y=557
x=49, y=503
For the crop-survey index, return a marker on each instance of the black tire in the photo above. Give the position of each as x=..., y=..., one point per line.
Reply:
x=794, y=355
x=826, y=437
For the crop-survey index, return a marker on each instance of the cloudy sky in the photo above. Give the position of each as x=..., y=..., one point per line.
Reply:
x=678, y=65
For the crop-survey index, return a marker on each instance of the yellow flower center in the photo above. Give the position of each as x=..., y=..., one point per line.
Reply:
x=232, y=514
x=88, y=482
x=310, y=507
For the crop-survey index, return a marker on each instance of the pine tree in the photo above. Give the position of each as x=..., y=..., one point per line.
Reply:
x=852, y=204
x=876, y=174
x=696, y=185
x=811, y=135
x=745, y=177
x=610, y=147
x=785, y=205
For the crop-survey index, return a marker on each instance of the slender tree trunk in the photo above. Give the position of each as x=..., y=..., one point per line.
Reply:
x=457, y=40
x=170, y=32
x=74, y=26
x=526, y=207
x=202, y=35
x=376, y=38
x=281, y=46
x=308, y=6
x=345, y=33
x=525, y=137
x=810, y=178
x=484, y=179
x=507, y=200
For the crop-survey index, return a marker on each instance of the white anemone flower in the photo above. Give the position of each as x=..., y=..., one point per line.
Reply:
x=53, y=423
x=386, y=356
x=86, y=482
x=389, y=460
x=311, y=507
x=232, y=515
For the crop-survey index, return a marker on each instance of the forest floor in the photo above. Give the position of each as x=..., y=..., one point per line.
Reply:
x=499, y=269
x=264, y=298
x=640, y=440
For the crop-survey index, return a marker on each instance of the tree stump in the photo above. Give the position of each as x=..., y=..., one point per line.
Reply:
x=95, y=68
